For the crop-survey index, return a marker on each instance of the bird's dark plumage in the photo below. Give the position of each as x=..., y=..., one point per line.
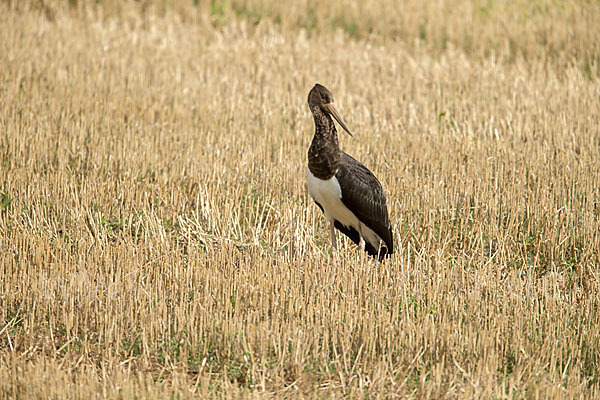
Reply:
x=362, y=193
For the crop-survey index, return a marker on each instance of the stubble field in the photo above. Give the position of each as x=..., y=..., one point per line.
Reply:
x=157, y=239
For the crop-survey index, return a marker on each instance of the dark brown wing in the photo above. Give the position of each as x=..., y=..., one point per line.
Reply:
x=363, y=195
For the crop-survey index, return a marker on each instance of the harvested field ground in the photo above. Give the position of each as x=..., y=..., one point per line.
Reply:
x=157, y=239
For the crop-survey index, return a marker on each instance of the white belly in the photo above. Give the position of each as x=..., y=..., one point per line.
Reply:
x=329, y=195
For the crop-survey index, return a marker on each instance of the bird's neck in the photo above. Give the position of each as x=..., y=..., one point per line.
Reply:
x=324, y=152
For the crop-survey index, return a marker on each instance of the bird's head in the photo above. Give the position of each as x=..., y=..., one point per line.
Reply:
x=320, y=96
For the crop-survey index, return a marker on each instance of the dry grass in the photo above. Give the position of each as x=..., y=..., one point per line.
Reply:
x=156, y=238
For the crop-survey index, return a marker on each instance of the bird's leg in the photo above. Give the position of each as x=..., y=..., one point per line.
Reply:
x=379, y=250
x=361, y=246
x=333, y=244
x=334, y=252
x=361, y=243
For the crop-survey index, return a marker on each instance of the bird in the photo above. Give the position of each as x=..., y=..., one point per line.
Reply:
x=348, y=194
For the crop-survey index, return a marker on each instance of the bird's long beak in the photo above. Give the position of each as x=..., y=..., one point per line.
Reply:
x=330, y=108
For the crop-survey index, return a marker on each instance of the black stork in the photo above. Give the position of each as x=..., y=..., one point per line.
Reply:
x=348, y=193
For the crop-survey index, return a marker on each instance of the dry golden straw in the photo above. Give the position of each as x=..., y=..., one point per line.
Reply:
x=157, y=239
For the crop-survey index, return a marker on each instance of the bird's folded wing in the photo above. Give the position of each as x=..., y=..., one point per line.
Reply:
x=363, y=195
